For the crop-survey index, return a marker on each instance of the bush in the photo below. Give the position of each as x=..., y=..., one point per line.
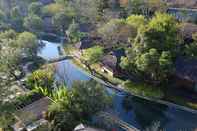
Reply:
x=41, y=78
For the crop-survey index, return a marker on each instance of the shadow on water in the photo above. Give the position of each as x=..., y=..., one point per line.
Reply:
x=146, y=112
x=138, y=112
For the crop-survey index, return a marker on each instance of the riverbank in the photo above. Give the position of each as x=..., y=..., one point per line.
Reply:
x=137, y=111
x=155, y=96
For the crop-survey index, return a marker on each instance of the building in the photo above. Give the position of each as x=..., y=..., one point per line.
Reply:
x=110, y=63
x=31, y=116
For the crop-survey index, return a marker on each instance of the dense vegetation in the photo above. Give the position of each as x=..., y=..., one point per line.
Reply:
x=150, y=37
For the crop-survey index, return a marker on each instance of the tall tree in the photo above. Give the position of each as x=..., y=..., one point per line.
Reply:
x=33, y=23
x=29, y=43
x=35, y=8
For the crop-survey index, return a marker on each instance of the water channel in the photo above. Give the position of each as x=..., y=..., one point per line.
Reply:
x=138, y=112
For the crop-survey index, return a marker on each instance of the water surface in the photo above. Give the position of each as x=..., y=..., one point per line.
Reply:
x=136, y=111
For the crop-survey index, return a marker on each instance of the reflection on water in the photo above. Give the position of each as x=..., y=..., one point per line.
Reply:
x=48, y=50
x=67, y=73
x=140, y=113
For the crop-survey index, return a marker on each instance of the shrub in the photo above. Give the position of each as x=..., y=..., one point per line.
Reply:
x=41, y=78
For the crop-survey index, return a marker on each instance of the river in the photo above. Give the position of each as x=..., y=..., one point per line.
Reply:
x=138, y=112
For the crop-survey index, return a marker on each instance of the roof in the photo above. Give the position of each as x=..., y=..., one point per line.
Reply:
x=86, y=42
x=186, y=69
x=110, y=62
x=33, y=111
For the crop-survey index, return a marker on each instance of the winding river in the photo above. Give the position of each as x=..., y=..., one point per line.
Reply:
x=135, y=111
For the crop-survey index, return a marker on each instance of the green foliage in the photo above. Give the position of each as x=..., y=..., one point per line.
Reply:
x=154, y=48
x=77, y=105
x=8, y=35
x=87, y=9
x=94, y=54
x=165, y=61
x=41, y=78
x=74, y=33
x=144, y=90
x=148, y=62
x=33, y=23
x=136, y=20
x=117, y=31
x=62, y=20
x=9, y=58
x=35, y=8
x=2, y=16
x=52, y=9
x=16, y=18
x=6, y=117
x=28, y=43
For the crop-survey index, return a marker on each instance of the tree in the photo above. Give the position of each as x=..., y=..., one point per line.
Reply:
x=29, y=43
x=16, y=18
x=117, y=31
x=8, y=35
x=35, y=8
x=94, y=54
x=162, y=33
x=148, y=63
x=41, y=78
x=62, y=20
x=166, y=62
x=9, y=54
x=52, y=9
x=136, y=21
x=2, y=16
x=33, y=23
x=73, y=33
x=87, y=9
x=154, y=49
x=9, y=61
x=77, y=105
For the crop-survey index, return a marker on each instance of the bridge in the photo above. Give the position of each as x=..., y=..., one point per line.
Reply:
x=61, y=58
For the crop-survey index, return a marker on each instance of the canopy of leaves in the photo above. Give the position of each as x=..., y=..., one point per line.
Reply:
x=94, y=54
x=77, y=105
x=33, y=23
x=155, y=46
x=28, y=43
x=35, y=8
